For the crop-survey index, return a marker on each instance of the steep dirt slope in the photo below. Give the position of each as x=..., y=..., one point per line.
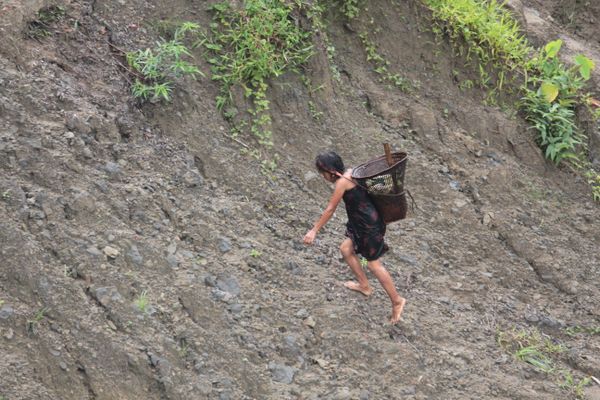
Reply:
x=104, y=204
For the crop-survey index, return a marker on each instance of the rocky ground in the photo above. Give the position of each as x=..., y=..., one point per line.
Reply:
x=146, y=256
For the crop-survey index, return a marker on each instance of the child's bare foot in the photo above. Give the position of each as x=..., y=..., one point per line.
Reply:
x=367, y=291
x=397, y=310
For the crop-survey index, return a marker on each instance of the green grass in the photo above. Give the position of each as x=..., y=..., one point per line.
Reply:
x=41, y=26
x=142, y=302
x=247, y=46
x=485, y=33
x=381, y=65
x=577, y=329
x=573, y=385
x=33, y=322
x=532, y=347
x=156, y=69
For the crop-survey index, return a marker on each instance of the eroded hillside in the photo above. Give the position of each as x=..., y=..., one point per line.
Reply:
x=146, y=255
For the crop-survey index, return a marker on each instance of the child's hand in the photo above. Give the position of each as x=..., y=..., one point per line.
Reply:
x=309, y=238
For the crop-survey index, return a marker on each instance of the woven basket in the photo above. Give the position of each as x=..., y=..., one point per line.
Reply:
x=385, y=185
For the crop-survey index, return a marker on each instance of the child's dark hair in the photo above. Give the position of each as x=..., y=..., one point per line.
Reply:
x=329, y=161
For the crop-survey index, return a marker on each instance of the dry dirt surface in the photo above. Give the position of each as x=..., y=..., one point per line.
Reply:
x=143, y=255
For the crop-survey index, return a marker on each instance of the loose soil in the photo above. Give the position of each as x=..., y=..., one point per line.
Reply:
x=145, y=255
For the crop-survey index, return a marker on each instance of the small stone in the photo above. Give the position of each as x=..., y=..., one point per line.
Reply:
x=203, y=387
x=228, y=284
x=410, y=260
x=111, y=252
x=112, y=168
x=460, y=203
x=282, y=373
x=532, y=318
x=224, y=245
x=210, y=280
x=9, y=334
x=408, y=391
x=63, y=366
x=134, y=256
x=310, y=322
x=6, y=311
x=342, y=394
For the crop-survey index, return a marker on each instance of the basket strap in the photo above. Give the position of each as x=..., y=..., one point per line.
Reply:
x=412, y=199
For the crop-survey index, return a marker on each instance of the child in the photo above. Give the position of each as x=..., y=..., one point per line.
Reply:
x=364, y=230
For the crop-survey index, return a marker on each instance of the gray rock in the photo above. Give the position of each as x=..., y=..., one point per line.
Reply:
x=112, y=169
x=228, y=284
x=282, y=373
x=210, y=280
x=410, y=260
x=6, y=311
x=133, y=255
x=193, y=179
x=95, y=253
x=107, y=295
x=235, y=308
x=225, y=297
x=224, y=245
x=172, y=261
x=408, y=391
x=293, y=267
x=365, y=395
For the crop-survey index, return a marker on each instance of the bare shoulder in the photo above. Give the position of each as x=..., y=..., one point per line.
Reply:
x=346, y=180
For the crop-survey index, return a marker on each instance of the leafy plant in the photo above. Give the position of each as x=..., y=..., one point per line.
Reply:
x=590, y=330
x=40, y=27
x=142, y=302
x=350, y=8
x=381, y=65
x=484, y=32
x=255, y=253
x=551, y=94
x=34, y=321
x=574, y=386
x=156, y=69
x=248, y=46
x=531, y=347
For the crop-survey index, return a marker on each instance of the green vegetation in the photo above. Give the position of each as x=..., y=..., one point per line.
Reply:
x=39, y=28
x=531, y=347
x=142, y=302
x=255, y=253
x=487, y=34
x=574, y=386
x=156, y=69
x=589, y=330
x=249, y=45
x=551, y=93
x=542, y=352
x=381, y=65
x=482, y=31
x=32, y=323
x=350, y=8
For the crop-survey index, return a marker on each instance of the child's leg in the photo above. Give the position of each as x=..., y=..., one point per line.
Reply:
x=385, y=279
x=347, y=250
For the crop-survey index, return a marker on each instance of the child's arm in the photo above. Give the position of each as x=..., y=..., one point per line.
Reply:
x=334, y=201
